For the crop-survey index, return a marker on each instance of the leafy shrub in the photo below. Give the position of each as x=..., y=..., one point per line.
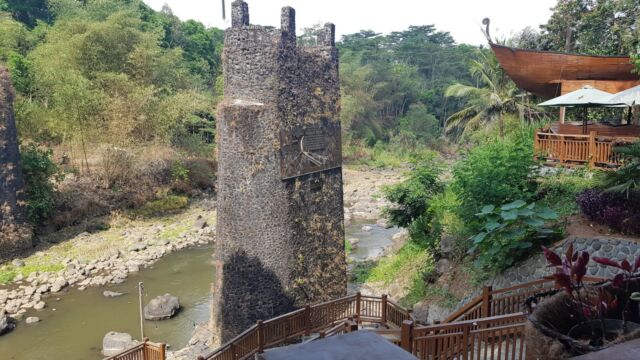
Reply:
x=627, y=177
x=116, y=167
x=165, y=205
x=496, y=172
x=510, y=232
x=40, y=173
x=559, y=191
x=411, y=200
x=618, y=211
x=201, y=173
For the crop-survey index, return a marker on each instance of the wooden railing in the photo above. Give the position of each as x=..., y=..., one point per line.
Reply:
x=504, y=301
x=327, y=319
x=567, y=150
x=493, y=338
x=146, y=350
x=490, y=326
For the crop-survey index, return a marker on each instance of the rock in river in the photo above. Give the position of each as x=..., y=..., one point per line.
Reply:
x=112, y=293
x=114, y=343
x=162, y=307
x=6, y=324
x=32, y=320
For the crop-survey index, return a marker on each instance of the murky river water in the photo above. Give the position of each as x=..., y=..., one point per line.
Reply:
x=74, y=331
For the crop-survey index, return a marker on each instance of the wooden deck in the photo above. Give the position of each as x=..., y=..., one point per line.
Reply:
x=565, y=145
x=620, y=132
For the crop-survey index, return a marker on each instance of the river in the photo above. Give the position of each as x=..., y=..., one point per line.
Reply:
x=73, y=327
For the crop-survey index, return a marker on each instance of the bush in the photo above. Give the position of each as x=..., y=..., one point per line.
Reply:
x=627, y=177
x=497, y=172
x=40, y=173
x=559, y=191
x=616, y=210
x=163, y=206
x=510, y=232
x=116, y=167
x=411, y=200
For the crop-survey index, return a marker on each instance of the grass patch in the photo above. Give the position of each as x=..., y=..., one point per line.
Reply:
x=9, y=272
x=347, y=247
x=173, y=232
x=412, y=260
x=559, y=191
x=163, y=206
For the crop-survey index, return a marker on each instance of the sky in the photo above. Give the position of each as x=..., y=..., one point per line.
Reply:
x=462, y=18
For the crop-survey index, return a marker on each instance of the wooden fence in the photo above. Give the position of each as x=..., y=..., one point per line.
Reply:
x=490, y=326
x=506, y=300
x=493, y=338
x=568, y=150
x=146, y=350
x=326, y=319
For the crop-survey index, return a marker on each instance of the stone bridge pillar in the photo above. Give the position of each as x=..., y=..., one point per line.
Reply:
x=15, y=232
x=280, y=230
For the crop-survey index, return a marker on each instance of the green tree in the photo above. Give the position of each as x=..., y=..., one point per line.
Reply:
x=486, y=104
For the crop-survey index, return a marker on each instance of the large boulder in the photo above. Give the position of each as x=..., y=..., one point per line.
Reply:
x=162, y=307
x=427, y=313
x=6, y=323
x=114, y=343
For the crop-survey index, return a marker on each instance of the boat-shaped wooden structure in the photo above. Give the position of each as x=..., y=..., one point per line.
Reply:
x=548, y=74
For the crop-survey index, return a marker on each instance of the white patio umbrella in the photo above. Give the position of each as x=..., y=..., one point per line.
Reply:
x=585, y=98
x=629, y=97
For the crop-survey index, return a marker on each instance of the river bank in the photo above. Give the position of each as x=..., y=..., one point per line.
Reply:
x=74, y=266
x=102, y=258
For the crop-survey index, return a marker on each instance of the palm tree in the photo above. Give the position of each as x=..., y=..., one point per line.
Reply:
x=495, y=96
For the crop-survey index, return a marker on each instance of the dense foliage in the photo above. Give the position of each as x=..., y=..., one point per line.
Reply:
x=486, y=104
x=599, y=27
x=109, y=71
x=41, y=174
x=618, y=211
x=412, y=199
x=393, y=85
x=495, y=172
x=510, y=232
x=627, y=177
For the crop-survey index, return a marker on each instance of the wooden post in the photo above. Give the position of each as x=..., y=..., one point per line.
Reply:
x=260, y=329
x=536, y=144
x=465, y=342
x=307, y=320
x=592, y=149
x=486, y=301
x=352, y=326
x=563, y=148
x=140, y=291
x=406, y=341
x=384, y=309
x=163, y=351
x=358, y=296
x=563, y=111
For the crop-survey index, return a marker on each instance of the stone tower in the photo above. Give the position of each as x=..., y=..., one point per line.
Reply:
x=280, y=231
x=15, y=232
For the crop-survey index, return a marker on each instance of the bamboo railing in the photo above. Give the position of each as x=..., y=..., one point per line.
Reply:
x=569, y=150
x=146, y=350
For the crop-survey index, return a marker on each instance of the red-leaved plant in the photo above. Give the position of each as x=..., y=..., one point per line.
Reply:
x=624, y=277
x=570, y=271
